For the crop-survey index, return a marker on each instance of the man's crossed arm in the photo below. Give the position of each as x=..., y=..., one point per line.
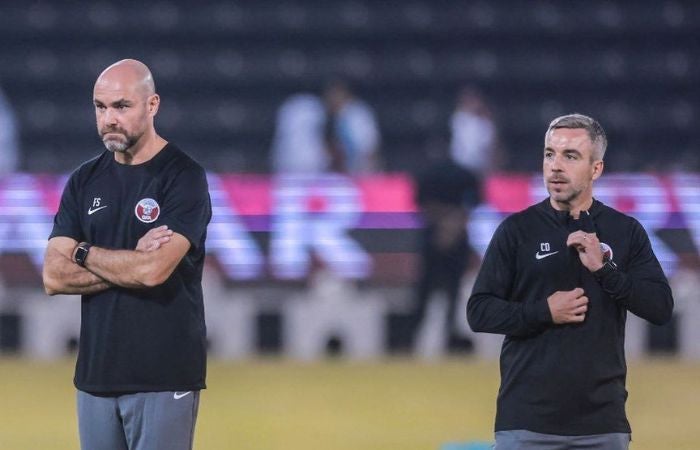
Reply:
x=150, y=264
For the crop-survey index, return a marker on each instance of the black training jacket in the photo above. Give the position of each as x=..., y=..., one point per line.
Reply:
x=565, y=379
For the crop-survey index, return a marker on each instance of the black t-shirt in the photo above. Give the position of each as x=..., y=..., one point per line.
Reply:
x=140, y=340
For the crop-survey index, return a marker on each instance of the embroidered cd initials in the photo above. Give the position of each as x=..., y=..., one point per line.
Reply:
x=544, y=251
x=147, y=210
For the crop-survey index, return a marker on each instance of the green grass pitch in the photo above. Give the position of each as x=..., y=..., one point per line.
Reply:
x=401, y=404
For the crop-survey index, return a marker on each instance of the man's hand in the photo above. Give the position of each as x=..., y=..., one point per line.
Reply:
x=588, y=247
x=154, y=239
x=568, y=306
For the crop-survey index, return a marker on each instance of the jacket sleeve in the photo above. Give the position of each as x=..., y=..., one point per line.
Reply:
x=490, y=308
x=642, y=287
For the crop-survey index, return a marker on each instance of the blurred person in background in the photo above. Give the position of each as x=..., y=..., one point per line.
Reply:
x=352, y=132
x=129, y=237
x=448, y=189
x=9, y=139
x=474, y=143
x=558, y=280
x=446, y=193
x=299, y=146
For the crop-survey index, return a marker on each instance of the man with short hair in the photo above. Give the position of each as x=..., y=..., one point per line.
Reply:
x=129, y=237
x=557, y=280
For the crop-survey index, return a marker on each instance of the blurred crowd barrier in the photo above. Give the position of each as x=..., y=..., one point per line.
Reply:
x=314, y=266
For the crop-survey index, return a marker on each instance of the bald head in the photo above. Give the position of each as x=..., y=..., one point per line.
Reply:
x=126, y=103
x=127, y=74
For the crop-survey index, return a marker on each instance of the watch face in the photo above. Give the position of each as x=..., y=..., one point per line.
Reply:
x=80, y=255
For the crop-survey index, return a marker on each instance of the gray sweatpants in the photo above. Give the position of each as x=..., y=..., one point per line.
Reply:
x=141, y=421
x=528, y=440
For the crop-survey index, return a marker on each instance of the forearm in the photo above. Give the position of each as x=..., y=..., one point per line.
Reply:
x=63, y=276
x=126, y=268
x=650, y=300
x=490, y=314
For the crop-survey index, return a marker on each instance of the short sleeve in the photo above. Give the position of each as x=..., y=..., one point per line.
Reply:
x=187, y=206
x=66, y=222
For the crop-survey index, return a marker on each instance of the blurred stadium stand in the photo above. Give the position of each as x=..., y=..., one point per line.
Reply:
x=222, y=69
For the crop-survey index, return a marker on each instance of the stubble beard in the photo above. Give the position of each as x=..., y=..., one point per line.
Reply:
x=565, y=197
x=119, y=145
x=115, y=146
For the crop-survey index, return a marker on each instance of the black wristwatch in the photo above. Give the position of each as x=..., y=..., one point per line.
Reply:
x=81, y=253
x=609, y=267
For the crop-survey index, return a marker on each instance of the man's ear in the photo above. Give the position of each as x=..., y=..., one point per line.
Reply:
x=153, y=104
x=598, y=167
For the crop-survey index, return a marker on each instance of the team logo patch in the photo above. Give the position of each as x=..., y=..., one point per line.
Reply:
x=147, y=210
x=607, y=251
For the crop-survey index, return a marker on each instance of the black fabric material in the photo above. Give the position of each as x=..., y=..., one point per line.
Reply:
x=139, y=340
x=564, y=379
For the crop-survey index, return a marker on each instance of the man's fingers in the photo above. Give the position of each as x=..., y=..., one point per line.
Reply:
x=157, y=243
x=154, y=239
x=162, y=236
x=156, y=232
x=578, y=318
x=580, y=310
x=577, y=237
x=580, y=240
x=163, y=240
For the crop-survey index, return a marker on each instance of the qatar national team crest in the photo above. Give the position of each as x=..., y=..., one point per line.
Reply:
x=147, y=210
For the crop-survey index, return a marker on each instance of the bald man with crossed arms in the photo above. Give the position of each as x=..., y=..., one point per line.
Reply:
x=129, y=238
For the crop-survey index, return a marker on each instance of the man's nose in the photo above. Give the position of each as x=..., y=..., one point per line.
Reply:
x=555, y=164
x=110, y=117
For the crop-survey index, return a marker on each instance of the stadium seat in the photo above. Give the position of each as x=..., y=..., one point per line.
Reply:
x=223, y=68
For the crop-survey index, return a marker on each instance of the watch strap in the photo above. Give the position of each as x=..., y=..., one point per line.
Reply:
x=608, y=267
